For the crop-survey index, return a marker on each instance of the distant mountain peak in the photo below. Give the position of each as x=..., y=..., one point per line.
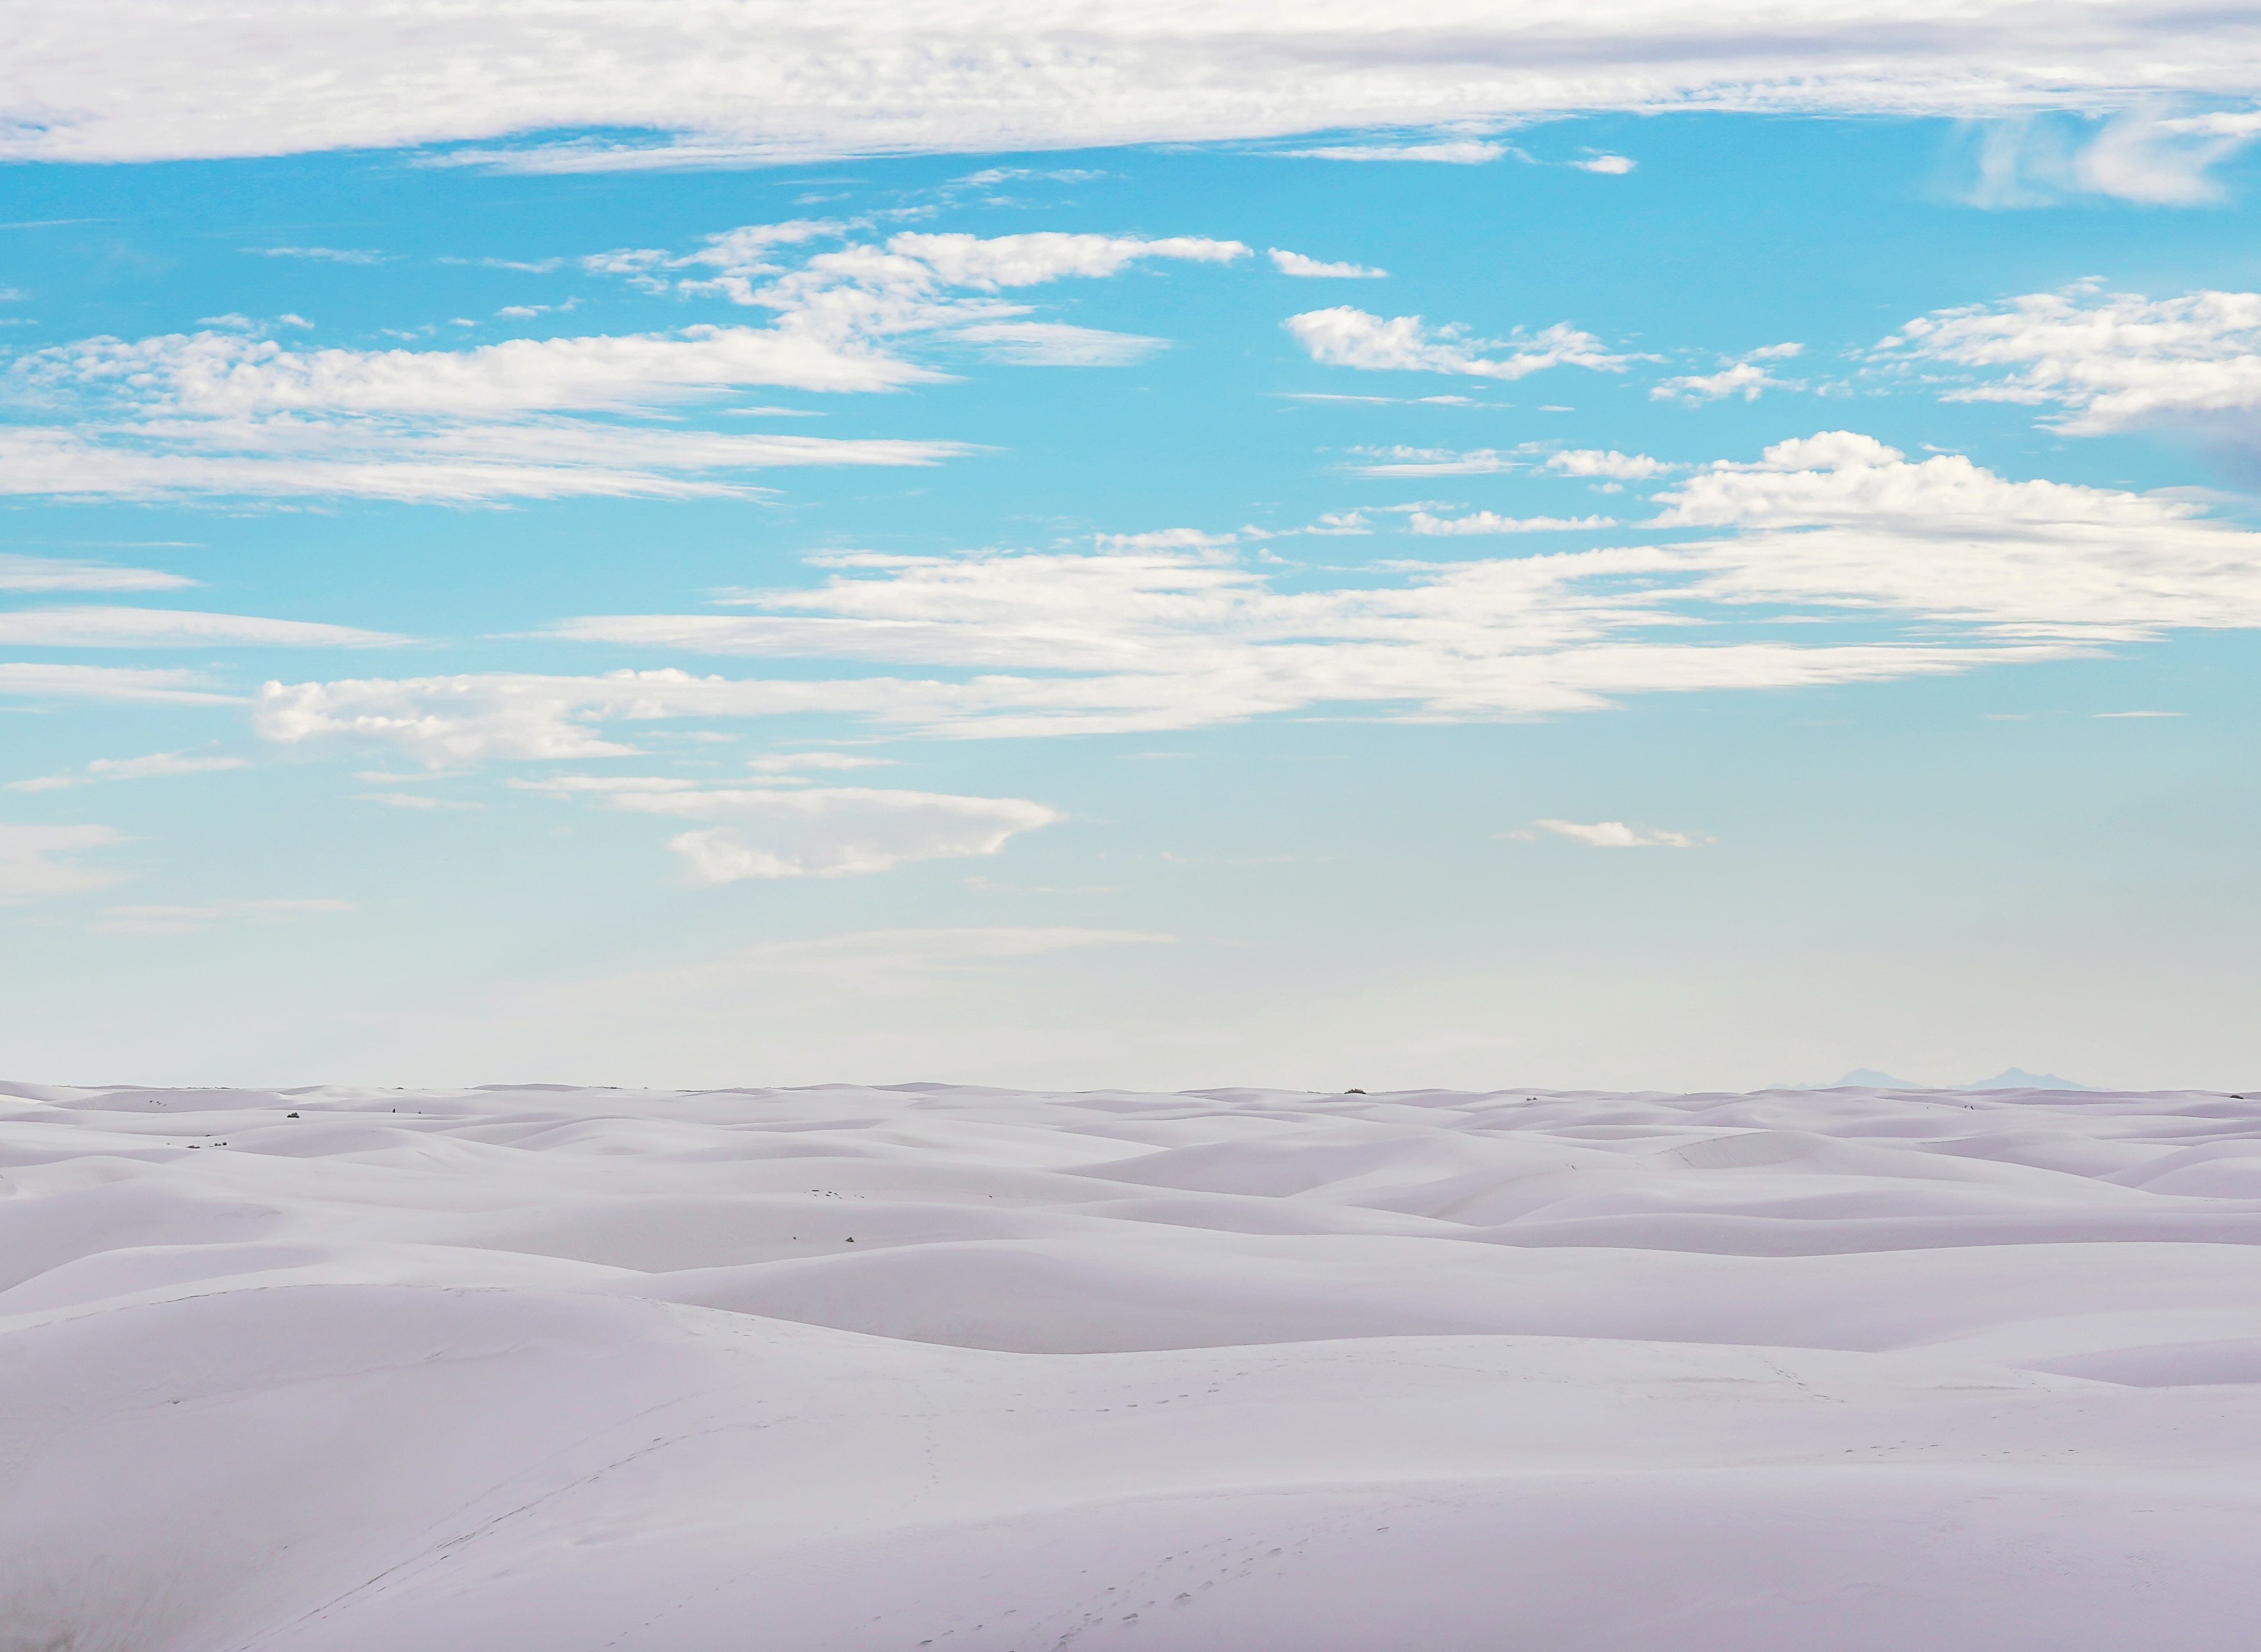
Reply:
x=1867, y=1078
x=2016, y=1078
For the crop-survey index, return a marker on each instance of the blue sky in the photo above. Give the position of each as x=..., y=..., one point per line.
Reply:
x=1683, y=599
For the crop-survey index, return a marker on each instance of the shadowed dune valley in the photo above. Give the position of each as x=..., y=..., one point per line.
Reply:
x=545, y=1370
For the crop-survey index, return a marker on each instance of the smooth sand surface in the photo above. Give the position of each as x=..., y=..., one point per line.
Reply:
x=545, y=1370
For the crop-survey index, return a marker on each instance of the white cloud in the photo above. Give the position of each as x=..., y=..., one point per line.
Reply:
x=787, y=766
x=1947, y=565
x=424, y=462
x=50, y=573
x=1190, y=539
x=1380, y=401
x=1348, y=337
x=960, y=260
x=1621, y=467
x=1445, y=151
x=772, y=82
x=2146, y=154
x=156, y=764
x=37, y=862
x=2105, y=362
x=1401, y=461
x=1615, y=834
x=420, y=800
x=226, y=374
x=811, y=833
x=1058, y=344
x=1289, y=263
x=1492, y=522
x=319, y=255
x=1615, y=166
x=173, y=627
x=181, y=920
x=1745, y=375
x=231, y=411
x=31, y=681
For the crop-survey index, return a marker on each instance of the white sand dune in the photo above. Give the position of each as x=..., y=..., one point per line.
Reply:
x=554, y=1370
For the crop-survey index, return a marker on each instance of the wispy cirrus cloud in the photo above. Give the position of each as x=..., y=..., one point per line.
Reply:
x=233, y=410
x=154, y=765
x=1949, y=567
x=39, y=862
x=1404, y=461
x=174, y=628
x=1493, y=523
x=28, y=681
x=789, y=830
x=322, y=255
x=19, y=573
x=1436, y=151
x=1615, y=834
x=663, y=87
x=2158, y=152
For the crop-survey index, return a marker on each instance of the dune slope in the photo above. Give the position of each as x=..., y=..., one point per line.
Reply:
x=553, y=1370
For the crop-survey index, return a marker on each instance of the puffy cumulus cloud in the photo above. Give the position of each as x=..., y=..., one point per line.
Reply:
x=1493, y=523
x=37, y=862
x=233, y=410
x=1615, y=834
x=55, y=573
x=1289, y=263
x=1348, y=337
x=99, y=80
x=1745, y=376
x=183, y=920
x=1613, y=166
x=174, y=628
x=2100, y=360
x=156, y=764
x=788, y=832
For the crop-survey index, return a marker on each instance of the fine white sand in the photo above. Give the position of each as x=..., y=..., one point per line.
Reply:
x=555, y=1370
